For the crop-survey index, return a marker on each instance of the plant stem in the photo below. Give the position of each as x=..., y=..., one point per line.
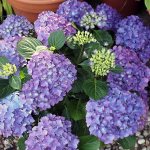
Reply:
x=80, y=55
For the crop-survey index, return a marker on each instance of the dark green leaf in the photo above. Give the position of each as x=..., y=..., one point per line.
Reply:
x=71, y=45
x=117, y=69
x=77, y=86
x=76, y=109
x=21, y=143
x=15, y=82
x=3, y=61
x=57, y=39
x=103, y=37
x=89, y=143
x=95, y=89
x=147, y=3
x=27, y=46
x=24, y=76
x=128, y=142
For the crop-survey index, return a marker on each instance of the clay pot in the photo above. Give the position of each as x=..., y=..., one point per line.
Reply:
x=31, y=8
x=125, y=7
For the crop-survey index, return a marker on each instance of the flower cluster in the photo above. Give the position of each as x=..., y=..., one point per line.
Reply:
x=15, y=116
x=49, y=22
x=8, y=49
x=15, y=26
x=132, y=33
x=52, y=77
x=73, y=10
x=90, y=20
x=135, y=75
x=82, y=38
x=7, y=70
x=102, y=61
x=108, y=17
x=52, y=132
x=118, y=115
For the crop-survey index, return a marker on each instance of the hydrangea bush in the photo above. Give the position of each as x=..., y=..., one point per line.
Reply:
x=81, y=77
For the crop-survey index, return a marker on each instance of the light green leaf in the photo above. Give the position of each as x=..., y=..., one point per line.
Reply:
x=27, y=46
x=147, y=3
x=57, y=39
x=90, y=143
x=7, y=7
x=15, y=82
x=3, y=61
x=95, y=89
x=1, y=11
x=128, y=142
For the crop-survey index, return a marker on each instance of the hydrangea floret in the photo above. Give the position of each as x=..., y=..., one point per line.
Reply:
x=15, y=25
x=118, y=115
x=15, y=116
x=52, y=132
x=102, y=61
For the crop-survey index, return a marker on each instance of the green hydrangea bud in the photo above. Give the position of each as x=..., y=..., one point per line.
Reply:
x=7, y=70
x=102, y=61
x=52, y=48
x=82, y=38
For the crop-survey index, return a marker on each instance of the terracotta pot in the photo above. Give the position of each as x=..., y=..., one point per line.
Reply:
x=31, y=8
x=125, y=7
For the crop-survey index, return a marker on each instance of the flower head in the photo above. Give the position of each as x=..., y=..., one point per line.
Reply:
x=108, y=17
x=118, y=115
x=15, y=116
x=131, y=33
x=82, y=38
x=52, y=77
x=52, y=132
x=7, y=70
x=102, y=61
x=15, y=25
x=49, y=22
x=73, y=10
x=135, y=75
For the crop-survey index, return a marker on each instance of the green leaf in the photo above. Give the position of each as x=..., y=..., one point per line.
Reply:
x=77, y=86
x=103, y=37
x=118, y=69
x=5, y=88
x=147, y=3
x=128, y=142
x=76, y=109
x=7, y=7
x=3, y=61
x=57, y=39
x=24, y=76
x=95, y=89
x=27, y=46
x=1, y=11
x=21, y=143
x=90, y=143
x=15, y=82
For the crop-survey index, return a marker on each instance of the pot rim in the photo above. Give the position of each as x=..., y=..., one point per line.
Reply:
x=40, y=2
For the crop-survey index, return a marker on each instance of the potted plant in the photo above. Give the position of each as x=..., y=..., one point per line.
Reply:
x=31, y=8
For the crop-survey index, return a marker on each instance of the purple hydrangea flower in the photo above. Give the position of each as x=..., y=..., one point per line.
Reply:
x=73, y=10
x=53, y=132
x=8, y=49
x=53, y=76
x=118, y=115
x=132, y=33
x=135, y=75
x=108, y=17
x=15, y=116
x=49, y=22
x=15, y=25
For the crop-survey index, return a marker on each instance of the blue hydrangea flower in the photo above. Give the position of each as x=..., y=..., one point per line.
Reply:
x=15, y=25
x=73, y=10
x=108, y=17
x=8, y=49
x=135, y=75
x=49, y=22
x=53, y=76
x=132, y=33
x=15, y=116
x=118, y=115
x=52, y=132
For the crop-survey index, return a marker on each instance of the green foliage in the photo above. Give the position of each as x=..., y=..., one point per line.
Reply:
x=3, y=61
x=21, y=143
x=95, y=89
x=128, y=142
x=15, y=82
x=147, y=3
x=24, y=76
x=57, y=39
x=90, y=143
x=118, y=69
x=27, y=47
